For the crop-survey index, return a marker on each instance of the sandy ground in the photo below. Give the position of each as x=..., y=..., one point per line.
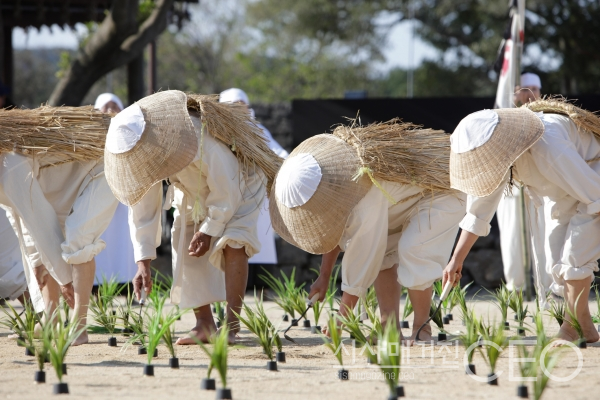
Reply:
x=98, y=371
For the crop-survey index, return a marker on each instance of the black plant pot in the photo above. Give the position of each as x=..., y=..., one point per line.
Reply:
x=442, y=337
x=155, y=353
x=450, y=317
x=446, y=321
x=61, y=388
x=21, y=340
x=506, y=325
x=208, y=384
x=404, y=325
x=114, y=313
x=28, y=352
x=142, y=350
x=522, y=392
x=126, y=331
x=218, y=324
x=285, y=318
x=224, y=394
x=272, y=365
x=174, y=362
x=521, y=331
x=280, y=356
x=516, y=317
x=294, y=322
x=315, y=329
x=582, y=344
x=400, y=391
x=64, y=368
x=149, y=370
x=352, y=336
x=343, y=374
x=470, y=369
x=112, y=341
x=492, y=379
x=306, y=323
x=39, y=377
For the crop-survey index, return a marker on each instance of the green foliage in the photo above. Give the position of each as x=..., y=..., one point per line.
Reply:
x=220, y=311
x=352, y=324
x=59, y=338
x=257, y=322
x=371, y=299
x=447, y=304
x=497, y=342
x=390, y=354
x=64, y=63
x=158, y=324
x=299, y=299
x=103, y=314
x=557, y=311
x=516, y=304
x=332, y=289
x=286, y=290
x=169, y=334
x=218, y=355
x=503, y=298
x=574, y=321
x=436, y=317
x=334, y=342
x=460, y=298
x=471, y=334
x=408, y=307
x=42, y=352
x=22, y=324
x=317, y=308
x=596, y=317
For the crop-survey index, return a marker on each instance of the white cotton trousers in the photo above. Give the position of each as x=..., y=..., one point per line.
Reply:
x=508, y=215
x=12, y=274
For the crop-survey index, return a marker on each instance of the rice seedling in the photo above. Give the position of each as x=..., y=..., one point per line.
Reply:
x=42, y=353
x=169, y=336
x=436, y=317
x=495, y=343
x=23, y=325
x=516, y=304
x=596, y=317
x=334, y=343
x=470, y=339
x=124, y=312
x=460, y=297
x=284, y=290
x=447, y=303
x=406, y=311
x=218, y=359
x=101, y=309
x=576, y=325
x=503, y=298
x=220, y=311
x=318, y=308
x=390, y=357
x=257, y=322
x=58, y=341
x=361, y=333
x=299, y=299
x=557, y=311
x=332, y=289
x=371, y=299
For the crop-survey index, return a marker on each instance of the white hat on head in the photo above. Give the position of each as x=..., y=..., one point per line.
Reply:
x=529, y=79
x=234, y=95
x=106, y=98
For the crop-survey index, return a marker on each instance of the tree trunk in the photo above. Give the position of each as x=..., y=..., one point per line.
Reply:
x=118, y=40
x=135, y=79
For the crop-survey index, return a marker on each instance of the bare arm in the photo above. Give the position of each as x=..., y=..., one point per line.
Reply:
x=322, y=283
x=453, y=270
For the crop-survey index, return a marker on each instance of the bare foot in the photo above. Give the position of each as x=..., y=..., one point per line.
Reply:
x=202, y=332
x=231, y=338
x=82, y=339
x=424, y=335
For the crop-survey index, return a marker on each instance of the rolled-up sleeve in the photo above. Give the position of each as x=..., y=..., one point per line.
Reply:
x=480, y=211
x=221, y=168
x=145, y=223
x=365, y=240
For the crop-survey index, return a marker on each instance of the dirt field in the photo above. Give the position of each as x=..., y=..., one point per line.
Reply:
x=98, y=371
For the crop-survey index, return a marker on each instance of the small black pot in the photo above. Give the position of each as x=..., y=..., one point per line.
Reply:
x=21, y=340
x=61, y=388
x=114, y=313
x=39, y=377
x=343, y=374
x=142, y=350
x=28, y=352
x=64, y=368
x=404, y=325
x=446, y=321
x=450, y=317
x=208, y=384
x=285, y=318
x=522, y=392
x=224, y=394
x=516, y=317
x=272, y=365
x=470, y=369
x=521, y=331
x=492, y=381
x=214, y=309
x=126, y=331
x=506, y=325
x=306, y=323
x=149, y=370
x=280, y=356
x=582, y=344
x=112, y=341
x=352, y=336
x=155, y=353
x=294, y=322
x=174, y=362
x=315, y=329
x=400, y=391
x=442, y=337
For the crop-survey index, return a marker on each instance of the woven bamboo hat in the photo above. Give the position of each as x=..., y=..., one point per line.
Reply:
x=314, y=193
x=486, y=144
x=148, y=142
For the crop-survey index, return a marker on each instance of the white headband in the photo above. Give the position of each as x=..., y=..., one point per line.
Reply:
x=234, y=95
x=105, y=98
x=530, y=80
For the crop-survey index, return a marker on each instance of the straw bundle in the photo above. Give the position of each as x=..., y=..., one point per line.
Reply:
x=70, y=133
x=232, y=124
x=559, y=105
x=402, y=152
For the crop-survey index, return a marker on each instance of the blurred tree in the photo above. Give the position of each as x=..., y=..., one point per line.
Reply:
x=118, y=40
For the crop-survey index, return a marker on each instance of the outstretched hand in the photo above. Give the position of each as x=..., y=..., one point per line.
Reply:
x=199, y=245
x=142, y=279
x=68, y=293
x=319, y=287
x=452, y=273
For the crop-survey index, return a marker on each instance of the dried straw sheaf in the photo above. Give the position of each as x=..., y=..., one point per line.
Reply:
x=402, y=152
x=232, y=124
x=559, y=105
x=69, y=133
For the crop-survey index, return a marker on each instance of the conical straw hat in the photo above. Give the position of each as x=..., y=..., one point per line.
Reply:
x=167, y=145
x=317, y=225
x=480, y=171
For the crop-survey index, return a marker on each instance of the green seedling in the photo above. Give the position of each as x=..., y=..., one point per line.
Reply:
x=22, y=324
x=503, y=298
x=42, y=352
x=332, y=288
x=516, y=304
x=436, y=317
x=257, y=322
x=218, y=355
x=101, y=308
x=58, y=340
x=496, y=343
x=574, y=321
x=370, y=301
x=557, y=311
x=334, y=342
x=471, y=335
x=408, y=308
x=285, y=290
x=390, y=351
x=596, y=317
